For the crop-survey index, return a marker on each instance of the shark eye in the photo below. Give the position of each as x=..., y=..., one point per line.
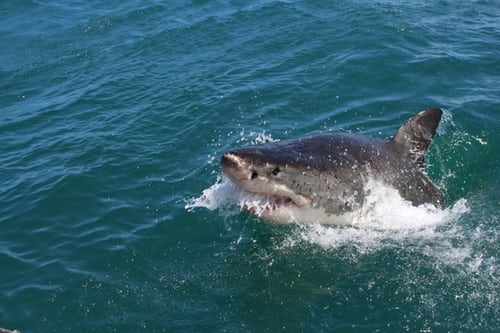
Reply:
x=254, y=175
x=275, y=171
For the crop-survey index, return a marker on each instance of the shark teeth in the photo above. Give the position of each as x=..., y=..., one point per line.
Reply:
x=259, y=203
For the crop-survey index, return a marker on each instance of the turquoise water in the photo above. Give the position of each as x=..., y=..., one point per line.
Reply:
x=113, y=119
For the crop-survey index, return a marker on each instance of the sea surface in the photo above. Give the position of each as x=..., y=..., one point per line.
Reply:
x=115, y=215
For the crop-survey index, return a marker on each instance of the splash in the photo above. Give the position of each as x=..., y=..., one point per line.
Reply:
x=224, y=194
x=218, y=195
x=386, y=225
x=383, y=209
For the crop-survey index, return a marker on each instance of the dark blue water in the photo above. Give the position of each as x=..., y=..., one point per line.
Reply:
x=113, y=212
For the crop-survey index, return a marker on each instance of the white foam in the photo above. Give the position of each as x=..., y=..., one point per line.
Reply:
x=383, y=209
x=415, y=225
x=216, y=196
x=385, y=220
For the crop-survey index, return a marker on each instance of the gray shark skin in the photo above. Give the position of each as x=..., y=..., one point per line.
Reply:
x=324, y=178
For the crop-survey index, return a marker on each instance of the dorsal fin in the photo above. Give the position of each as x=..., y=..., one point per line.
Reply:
x=414, y=137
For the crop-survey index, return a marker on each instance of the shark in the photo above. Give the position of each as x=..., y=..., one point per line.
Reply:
x=326, y=178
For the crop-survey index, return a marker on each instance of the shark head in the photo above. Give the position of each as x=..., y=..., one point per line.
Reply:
x=323, y=177
x=252, y=171
x=247, y=170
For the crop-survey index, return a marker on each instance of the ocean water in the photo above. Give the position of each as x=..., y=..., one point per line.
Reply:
x=114, y=214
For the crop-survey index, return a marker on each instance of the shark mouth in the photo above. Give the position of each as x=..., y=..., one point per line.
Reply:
x=260, y=204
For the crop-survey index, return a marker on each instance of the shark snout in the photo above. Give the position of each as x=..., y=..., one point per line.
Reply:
x=230, y=161
x=234, y=167
x=237, y=168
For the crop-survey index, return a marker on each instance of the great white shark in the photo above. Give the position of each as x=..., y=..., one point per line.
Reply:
x=324, y=178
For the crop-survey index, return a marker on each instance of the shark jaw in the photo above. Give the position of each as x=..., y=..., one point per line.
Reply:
x=264, y=197
x=275, y=211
